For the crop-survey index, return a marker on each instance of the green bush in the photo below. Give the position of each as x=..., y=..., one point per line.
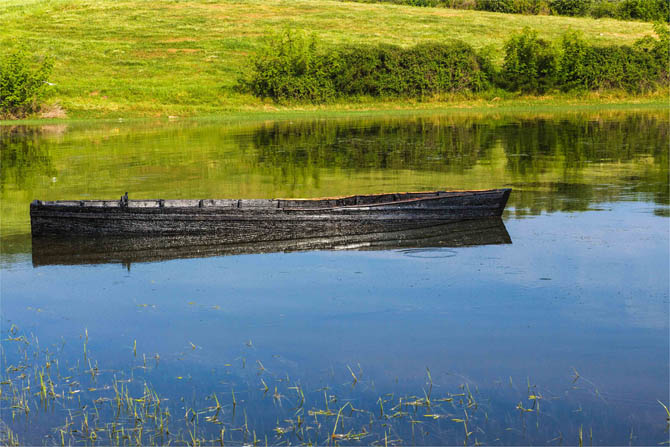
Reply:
x=604, y=8
x=426, y=69
x=648, y=10
x=457, y=4
x=22, y=84
x=659, y=52
x=506, y=6
x=422, y=2
x=291, y=67
x=573, y=73
x=530, y=63
x=570, y=7
x=512, y=6
x=636, y=69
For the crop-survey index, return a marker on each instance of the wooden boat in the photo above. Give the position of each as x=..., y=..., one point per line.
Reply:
x=264, y=220
x=126, y=250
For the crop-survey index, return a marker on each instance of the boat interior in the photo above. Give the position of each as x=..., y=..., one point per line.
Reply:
x=370, y=199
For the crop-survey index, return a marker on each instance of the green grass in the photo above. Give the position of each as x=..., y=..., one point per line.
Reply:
x=149, y=59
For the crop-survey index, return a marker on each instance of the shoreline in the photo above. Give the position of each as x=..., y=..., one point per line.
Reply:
x=276, y=112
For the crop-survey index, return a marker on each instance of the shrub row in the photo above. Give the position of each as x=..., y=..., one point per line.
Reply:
x=534, y=65
x=647, y=10
x=293, y=68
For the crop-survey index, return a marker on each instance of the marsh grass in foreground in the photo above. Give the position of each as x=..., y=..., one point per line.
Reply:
x=53, y=397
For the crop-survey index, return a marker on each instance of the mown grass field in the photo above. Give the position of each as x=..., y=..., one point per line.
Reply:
x=136, y=58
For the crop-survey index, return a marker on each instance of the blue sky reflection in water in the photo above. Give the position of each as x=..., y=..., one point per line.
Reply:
x=575, y=310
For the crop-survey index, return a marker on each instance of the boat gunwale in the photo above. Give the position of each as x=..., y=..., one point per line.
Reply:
x=416, y=199
x=430, y=195
x=438, y=191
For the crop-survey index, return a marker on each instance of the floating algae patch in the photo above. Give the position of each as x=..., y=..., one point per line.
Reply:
x=50, y=396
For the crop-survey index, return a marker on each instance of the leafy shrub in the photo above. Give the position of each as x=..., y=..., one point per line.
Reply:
x=659, y=50
x=457, y=4
x=292, y=68
x=637, y=68
x=573, y=73
x=570, y=7
x=530, y=63
x=512, y=6
x=423, y=70
x=422, y=2
x=604, y=8
x=648, y=10
x=21, y=83
x=496, y=6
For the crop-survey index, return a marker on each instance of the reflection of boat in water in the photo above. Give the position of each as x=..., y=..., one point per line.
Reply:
x=55, y=250
x=264, y=220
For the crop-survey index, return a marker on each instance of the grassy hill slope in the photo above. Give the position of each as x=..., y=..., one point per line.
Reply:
x=140, y=58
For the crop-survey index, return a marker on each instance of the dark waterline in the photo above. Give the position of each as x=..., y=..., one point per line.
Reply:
x=574, y=310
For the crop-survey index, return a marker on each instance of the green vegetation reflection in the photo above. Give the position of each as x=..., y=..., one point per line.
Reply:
x=568, y=162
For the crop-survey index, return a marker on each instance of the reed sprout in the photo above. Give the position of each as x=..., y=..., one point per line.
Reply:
x=102, y=406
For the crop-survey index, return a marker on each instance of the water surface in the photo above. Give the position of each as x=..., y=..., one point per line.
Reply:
x=563, y=330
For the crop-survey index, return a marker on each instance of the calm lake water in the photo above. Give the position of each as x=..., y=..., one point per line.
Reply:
x=559, y=334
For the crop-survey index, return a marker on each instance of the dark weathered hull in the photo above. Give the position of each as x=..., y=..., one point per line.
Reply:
x=66, y=250
x=264, y=220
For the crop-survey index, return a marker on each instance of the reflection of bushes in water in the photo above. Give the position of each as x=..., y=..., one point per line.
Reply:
x=22, y=154
x=420, y=144
x=568, y=146
x=580, y=141
x=532, y=146
x=535, y=155
x=534, y=198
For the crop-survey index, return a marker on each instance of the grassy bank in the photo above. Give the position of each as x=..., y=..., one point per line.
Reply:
x=138, y=59
x=533, y=105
